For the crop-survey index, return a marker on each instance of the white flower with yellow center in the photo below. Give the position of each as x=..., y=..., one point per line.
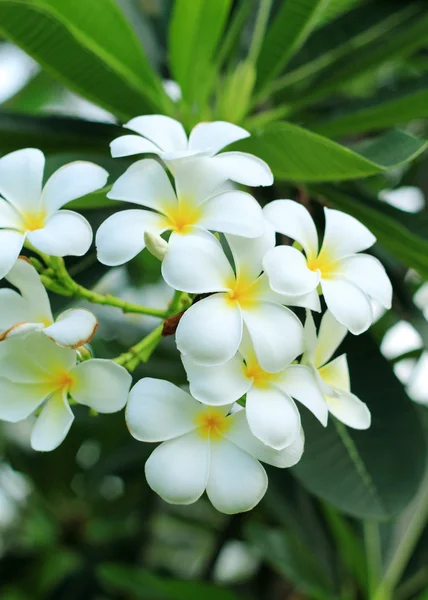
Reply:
x=210, y=331
x=31, y=311
x=28, y=212
x=348, y=280
x=195, y=205
x=35, y=372
x=204, y=448
x=333, y=375
x=271, y=413
x=161, y=135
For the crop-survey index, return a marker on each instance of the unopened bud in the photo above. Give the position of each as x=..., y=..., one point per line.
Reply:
x=155, y=244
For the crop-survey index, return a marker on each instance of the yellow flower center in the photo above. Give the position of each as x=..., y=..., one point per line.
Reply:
x=212, y=423
x=324, y=263
x=34, y=221
x=63, y=379
x=261, y=378
x=242, y=290
x=183, y=216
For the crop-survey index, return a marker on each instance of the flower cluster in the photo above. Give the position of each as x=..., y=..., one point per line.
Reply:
x=247, y=355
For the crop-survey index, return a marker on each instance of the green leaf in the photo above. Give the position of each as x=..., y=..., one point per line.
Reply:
x=296, y=154
x=90, y=48
x=291, y=26
x=373, y=473
x=195, y=32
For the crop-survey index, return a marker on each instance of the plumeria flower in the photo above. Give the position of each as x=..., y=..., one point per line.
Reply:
x=35, y=372
x=31, y=311
x=271, y=413
x=210, y=331
x=348, y=280
x=204, y=448
x=195, y=205
x=333, y=375
x=161, y=135
x=28, y=212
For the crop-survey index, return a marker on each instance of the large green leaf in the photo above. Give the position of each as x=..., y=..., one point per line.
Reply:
x=296, y=154
x=88, y=46
x=372, y=473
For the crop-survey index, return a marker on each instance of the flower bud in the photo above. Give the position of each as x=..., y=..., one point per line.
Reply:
x=155, y=244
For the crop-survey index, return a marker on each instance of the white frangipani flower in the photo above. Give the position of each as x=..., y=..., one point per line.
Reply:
x=348, y=280
x=31, y=311
x=210, y=331
x=28, y=212
x=205, y=448
x=195, y=205
x=164, y=136
x=271, y=413
x=333, y=375
x=34, y=371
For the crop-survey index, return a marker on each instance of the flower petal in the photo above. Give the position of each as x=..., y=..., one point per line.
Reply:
x=158, y=410
x=101, y=384
x=310, y=337
x=145, y=183
x=239, y=433
x=299, y=382
x=72, y=181
x=310, y=301
x=13, y=309
x=336, y=374
x=178, y=469
x=350, y=410
x=167, y=133
x=218, y=385
x=215, y=136
x=243, y=168
x=233, y=212
x=21, y=175
x=43, y=353
x=272, y=416
x=121, y=237
x=237, y=481
x=17, y=362
x=330, y=335
x=53, y=423
x=348, y=304
x=25, y=277
x=66, y=233
x=344, y=235
x=196, y=263
x=73, y=328
x=277, y=335
x=196, y=180
x=10, y=217
x=127, y=145
x=368, y=273
x=210, y=331
x=288, y=272
x=248, y=254
x=293, y=220
x=19, y=400
x=11, y=243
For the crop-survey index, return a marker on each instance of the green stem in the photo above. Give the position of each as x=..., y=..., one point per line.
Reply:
x=259, y=30
x=373, y=554
x=142, y=351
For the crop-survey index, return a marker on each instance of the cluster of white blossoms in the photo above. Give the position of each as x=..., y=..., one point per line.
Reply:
x=249, y=359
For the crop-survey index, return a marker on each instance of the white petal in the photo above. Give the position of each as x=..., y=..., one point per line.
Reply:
x=368, y=273
x=66, y=233
x=145, y=183
x=101, y=384
x=344, y=235
x=310, y=301
x=178, y=469
x=73, y=328
x=13, y=309
x=299, y=382
x=288, y=272
x=43, y=353
x=233, y=212
x=121, y=237
x=127, y=145
x=17, y=361
x=11, y=243
x=237, y=481
x=10, y=218
x=19, y=400
x=21, y=329
x=197, y=264
x=272, y=416
x=53, y=423
x=293, y=220
x=336, y=374
x=239, y=433
x=158, y=410
x=21, y=175
x=218, y=385
x=348, y=304
x=243, y=168
x=350, y=410
x=72, y=181
x=168, y=134
x=330, y=335
x=210, y=331
x=248, y=254
x=215, y=136
x=25, y=277
x=196, y=180
x=277, y=335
